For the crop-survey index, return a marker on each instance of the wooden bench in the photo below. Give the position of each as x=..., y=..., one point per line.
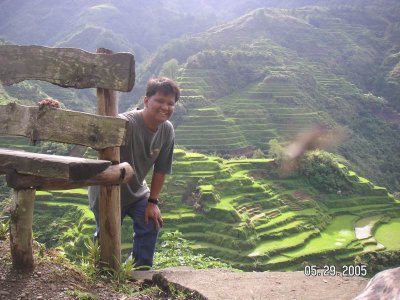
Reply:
x=27, y=172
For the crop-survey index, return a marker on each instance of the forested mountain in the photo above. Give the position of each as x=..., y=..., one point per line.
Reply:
x=136, y=26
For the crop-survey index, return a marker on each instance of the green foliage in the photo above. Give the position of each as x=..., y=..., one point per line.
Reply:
x=170, y=69
x=119, y=277
x=177, y=292
x=236, y=68
x=4, y=228
x=275, y=150
x=5, y=193
x=48, y=223
x=229, y=216
x=90, y=263
x=323, y=171
x=26, y=92
x=378, y=261
x=54, y=148
x=258, y=153
x=176, y=251
x=80, y=295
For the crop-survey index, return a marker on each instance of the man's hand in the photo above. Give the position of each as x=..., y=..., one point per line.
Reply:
x=153, y=212
x=49, y=102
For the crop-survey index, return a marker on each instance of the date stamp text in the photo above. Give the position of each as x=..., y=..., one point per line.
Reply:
x=331, y=270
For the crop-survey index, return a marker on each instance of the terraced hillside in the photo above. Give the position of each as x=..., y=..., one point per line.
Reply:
x=257, y=222
x=63, y=218
x=239, y=211
x=204, y=127
x=279, y=105
x=273, y=73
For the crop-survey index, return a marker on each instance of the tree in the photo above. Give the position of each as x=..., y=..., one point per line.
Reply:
x=170, y=69
x=275, y=150
x=323, y=172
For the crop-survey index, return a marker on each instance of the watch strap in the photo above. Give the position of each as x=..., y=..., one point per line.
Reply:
x=153, y=200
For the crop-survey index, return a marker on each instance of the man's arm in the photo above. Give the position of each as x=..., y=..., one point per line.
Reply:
x=152, y=210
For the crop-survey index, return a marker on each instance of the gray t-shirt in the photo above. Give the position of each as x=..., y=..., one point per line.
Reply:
x=144, y=149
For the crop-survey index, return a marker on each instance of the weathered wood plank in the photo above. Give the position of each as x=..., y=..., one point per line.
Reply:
x=110, y=203
x=116, y=174
x=45, y=165
x=21, y=229
x=67, y=67
x=59, y=125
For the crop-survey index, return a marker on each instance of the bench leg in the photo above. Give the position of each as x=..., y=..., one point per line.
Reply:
x=21, y=229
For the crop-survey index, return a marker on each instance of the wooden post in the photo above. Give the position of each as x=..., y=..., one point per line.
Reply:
x=110, y=205
x=21, y=229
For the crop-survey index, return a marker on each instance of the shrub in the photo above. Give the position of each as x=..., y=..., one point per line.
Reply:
x=228, y=216
x=379, y=261
x=176, y=251
x=323, y=172
x=4, y=228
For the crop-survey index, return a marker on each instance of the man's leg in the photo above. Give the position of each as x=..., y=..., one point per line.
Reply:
x=94, y=205
x=93, y=195
x=145, y=235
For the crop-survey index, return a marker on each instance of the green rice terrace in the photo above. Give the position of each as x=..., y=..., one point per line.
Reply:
x=239, y=211
x=287, y=95
x=251, y=117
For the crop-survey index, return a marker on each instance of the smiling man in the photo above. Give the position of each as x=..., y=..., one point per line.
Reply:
x=149, y=145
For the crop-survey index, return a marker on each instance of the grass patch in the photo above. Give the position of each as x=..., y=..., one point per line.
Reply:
x=337, y=235
x=388, y=234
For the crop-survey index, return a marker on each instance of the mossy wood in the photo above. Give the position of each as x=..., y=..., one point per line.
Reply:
x=116, y=174
x=67, y=67
x=59, y=125
x=56, y=166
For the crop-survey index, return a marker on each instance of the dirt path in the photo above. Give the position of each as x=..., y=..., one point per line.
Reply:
x=223, y=284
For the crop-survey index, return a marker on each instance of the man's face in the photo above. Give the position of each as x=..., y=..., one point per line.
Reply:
x=160, y=107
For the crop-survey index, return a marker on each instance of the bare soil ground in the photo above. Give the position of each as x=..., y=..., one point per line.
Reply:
x=55, y=278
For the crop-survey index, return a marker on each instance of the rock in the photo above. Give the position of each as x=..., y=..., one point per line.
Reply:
x=4, y=293
x=384, y=285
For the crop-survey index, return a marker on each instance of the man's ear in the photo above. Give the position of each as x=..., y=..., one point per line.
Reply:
x=145, y=101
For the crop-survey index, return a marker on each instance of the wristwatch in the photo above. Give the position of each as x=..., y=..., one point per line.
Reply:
x=154, y=201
